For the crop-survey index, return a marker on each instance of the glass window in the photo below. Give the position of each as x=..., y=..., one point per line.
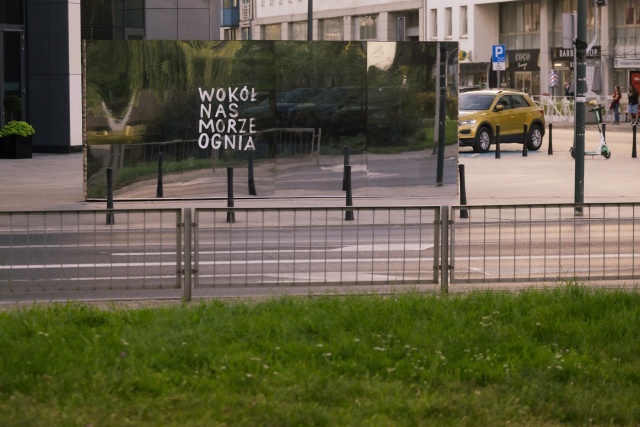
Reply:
x=434, y=23
x=464, y=26
x=272, y=32
x=298, y=30
x=11, y=12
x=331, y=29
x=110, y=19
x=368, y=27
x=520, y=24
x=448, y=19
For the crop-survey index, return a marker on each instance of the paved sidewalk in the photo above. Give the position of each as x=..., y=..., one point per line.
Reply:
x=55, y=181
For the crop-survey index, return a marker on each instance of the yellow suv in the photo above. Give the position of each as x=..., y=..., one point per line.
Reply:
x=479, y=112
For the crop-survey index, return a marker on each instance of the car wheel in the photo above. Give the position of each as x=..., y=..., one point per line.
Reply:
x=535, y=138
x=483, y=140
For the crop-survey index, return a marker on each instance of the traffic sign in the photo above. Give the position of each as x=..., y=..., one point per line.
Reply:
x=499, y=53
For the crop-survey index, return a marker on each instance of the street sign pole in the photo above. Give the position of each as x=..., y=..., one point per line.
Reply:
x=580, y=102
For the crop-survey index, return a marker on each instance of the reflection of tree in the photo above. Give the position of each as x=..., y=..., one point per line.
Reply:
x=319, y=64
x=402, y=95
x=119, y=70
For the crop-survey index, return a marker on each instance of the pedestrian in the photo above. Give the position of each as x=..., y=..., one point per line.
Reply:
x=567, y=89
x=633, y=105
x=615, y=104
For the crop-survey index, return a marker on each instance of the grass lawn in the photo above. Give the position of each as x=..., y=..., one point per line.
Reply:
x=564, y=356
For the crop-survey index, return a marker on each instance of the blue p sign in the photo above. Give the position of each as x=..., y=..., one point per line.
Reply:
x=499, y=53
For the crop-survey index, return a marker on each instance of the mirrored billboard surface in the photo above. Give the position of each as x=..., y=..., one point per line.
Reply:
x=286, y=116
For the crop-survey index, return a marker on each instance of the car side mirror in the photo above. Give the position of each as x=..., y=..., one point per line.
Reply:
x=499, y=107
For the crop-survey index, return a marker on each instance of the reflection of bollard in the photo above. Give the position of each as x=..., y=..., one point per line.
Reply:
x=497, y=141
x=464, y=213
x=252, y=183
x=231, y=215
x=110, y=218
x=634, y=152
x=347, y=173
x=550, y=150
x=524, y=141
x=159, y=190
x=345, y=152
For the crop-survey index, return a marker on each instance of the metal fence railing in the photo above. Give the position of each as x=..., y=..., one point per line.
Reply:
x=545, y=243
x=110, y=254
x=174, y=253
x=307, y=246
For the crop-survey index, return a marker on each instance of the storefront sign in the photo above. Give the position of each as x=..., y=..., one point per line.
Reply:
x=626, y=63
x=560, y=54
x=523, y=60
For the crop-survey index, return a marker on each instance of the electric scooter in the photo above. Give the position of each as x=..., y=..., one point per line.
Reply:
x=603, y=149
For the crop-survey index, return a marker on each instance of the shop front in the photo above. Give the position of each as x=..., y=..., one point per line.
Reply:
x=522, y=71
x=562, y=60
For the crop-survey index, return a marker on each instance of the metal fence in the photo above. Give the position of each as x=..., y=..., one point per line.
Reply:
x=307, y=246
x=79, y=254
x=545, y=243
x=174, y=253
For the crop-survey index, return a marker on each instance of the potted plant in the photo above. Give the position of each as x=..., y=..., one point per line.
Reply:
x=15, y=136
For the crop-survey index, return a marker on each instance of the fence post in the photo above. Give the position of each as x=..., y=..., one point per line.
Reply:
x=186, y=291
x=348, y=213
x=444, y=255
x=159, y=189
x=550, y=150
x=110, y=220
x=524, y=141
x=464, y=213
x=252, y=183
x=634, y=152
x=345, y=152
x=231, y=215
x=497, y=141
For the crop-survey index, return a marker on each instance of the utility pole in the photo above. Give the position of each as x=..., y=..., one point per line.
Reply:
x=580, y=101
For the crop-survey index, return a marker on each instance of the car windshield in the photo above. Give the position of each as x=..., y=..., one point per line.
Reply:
x=472, y=101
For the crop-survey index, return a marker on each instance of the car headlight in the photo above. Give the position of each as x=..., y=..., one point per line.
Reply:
x=466, y=122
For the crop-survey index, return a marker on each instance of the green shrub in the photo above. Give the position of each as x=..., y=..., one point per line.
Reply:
x=13, y=103
x=17, y=127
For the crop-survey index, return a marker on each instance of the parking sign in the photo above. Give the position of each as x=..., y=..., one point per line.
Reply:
x=499, y=53
x=499, y=56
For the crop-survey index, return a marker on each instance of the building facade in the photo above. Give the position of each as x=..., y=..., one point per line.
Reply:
x=41, y=52
x=41, y=41
x=531, y=31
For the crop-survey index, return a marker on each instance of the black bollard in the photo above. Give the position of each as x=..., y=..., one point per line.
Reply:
x=347, y=173
x=345, y=152
x=604, y=130
x=110, y=217
x=497, y=141
x=231, y=215
x=634, y=152
x=159, y=189
x=550, y=151
x=252, y=183
x=524, y=141
x=464, y=213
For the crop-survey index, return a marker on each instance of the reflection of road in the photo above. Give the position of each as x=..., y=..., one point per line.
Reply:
x=381, y=175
